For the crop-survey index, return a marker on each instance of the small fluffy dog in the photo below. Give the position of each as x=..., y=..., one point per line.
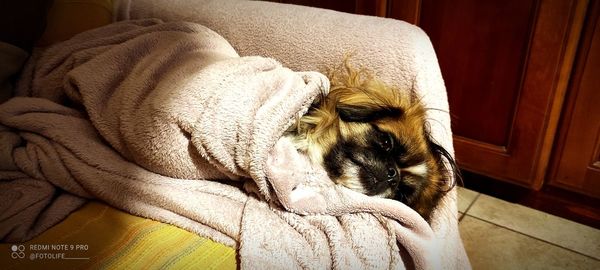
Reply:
x=372, y=138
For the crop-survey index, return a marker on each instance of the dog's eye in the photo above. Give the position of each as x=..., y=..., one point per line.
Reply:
x=387, y=143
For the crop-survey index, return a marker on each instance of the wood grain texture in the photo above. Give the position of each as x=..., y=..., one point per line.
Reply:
x=372, y=7
x=482, y=48
x=343, y=6
x=408, y=11
x=506, y=65
x=576, y=164
x=363, y=7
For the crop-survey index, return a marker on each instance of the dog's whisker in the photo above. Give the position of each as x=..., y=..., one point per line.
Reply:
x=437, y=109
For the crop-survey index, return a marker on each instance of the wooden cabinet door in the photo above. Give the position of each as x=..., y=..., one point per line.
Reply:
x=364, y=7
x=577, y=155
x=506, y=65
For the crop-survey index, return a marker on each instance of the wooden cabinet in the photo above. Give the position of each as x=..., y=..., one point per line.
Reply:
x=364, y=7
x=576, y=159
x=507, y=66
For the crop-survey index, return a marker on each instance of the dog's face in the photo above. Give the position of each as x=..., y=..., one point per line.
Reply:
x=373, y=139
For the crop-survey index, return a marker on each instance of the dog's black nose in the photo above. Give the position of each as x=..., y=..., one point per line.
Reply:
x=392, y=176
x=391, y=173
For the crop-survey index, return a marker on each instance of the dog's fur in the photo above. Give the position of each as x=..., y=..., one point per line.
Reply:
x=372, y=138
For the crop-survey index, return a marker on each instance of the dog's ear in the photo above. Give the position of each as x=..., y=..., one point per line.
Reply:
x=449, y=168
x=364, y=114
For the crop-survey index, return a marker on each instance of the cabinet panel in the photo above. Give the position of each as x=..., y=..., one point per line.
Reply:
x=577, y=155
x=364, y=7
x=506, y=65
x=482, y=48
x=344, y=6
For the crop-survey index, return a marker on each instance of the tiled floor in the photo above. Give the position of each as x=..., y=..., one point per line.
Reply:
x=501, y=235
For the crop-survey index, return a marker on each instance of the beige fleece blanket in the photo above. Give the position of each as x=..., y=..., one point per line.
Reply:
x=305, y=38
x=166, y=121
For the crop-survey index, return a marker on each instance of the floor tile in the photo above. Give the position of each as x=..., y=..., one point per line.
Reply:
x=465, y=198
x=493, y=247
x=556, y=230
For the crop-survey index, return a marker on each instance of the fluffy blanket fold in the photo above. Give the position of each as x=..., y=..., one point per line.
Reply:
x=166, y=121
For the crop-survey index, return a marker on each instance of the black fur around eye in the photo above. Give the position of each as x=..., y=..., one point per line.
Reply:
x=387, y=142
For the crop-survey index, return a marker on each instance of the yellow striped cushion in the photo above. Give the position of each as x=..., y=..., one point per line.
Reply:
x=116, y=240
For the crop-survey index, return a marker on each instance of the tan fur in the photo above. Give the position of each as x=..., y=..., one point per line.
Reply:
x=321, y=128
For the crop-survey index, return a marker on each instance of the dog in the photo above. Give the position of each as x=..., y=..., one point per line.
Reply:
x=373, y=138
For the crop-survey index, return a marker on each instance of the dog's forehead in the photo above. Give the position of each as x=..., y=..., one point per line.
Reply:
x=348, y=130
x=401, y=128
